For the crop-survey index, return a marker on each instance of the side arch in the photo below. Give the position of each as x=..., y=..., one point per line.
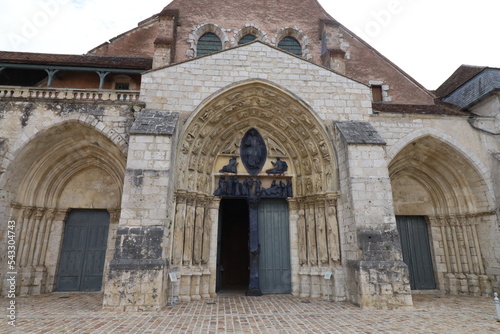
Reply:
x=432, y=178
x=68, y=166
x=89, y=121
x=465, y=161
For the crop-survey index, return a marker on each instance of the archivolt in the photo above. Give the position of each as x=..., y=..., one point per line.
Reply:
x=452, y=182
x=41, y=171
x=285, y=123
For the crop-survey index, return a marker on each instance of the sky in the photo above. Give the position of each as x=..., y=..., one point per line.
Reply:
x=428, y=39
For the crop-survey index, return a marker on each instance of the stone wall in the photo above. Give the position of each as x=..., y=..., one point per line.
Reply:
x=137, y=279
x=57, y=155
x=376, y=275
x=185, y=87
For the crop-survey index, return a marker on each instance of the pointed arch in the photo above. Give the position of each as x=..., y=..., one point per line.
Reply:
x=46, y=162
x=447, y=175
x=281, y=118
x=70, y=165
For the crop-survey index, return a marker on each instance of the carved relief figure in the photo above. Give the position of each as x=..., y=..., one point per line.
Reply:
x=280, y=167
x=253, y=151
x=231, y=167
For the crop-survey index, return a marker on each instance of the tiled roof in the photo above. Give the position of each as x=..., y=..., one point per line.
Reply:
x=89, y=60
x=425, y=109
x=463, y=74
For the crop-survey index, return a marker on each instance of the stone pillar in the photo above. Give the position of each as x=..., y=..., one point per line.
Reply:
x=114, y=220
x=301, y=232
x=199, y=229
x=25, y=270
x=294, y=244
x=332, y=227
x=377, y=277
x=137, y=273
x=40, y=237
x=164, y=45
x=189, y=230
x=321, y=232
x=312, y=250
x=54, y=246
x=210, y=246
x=180, y=219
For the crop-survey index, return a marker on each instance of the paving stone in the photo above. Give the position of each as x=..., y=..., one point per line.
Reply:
x=82, y=313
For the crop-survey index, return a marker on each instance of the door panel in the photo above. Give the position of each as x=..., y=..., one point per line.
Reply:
x=416, y=251
x=274, y=238
x=83, y=251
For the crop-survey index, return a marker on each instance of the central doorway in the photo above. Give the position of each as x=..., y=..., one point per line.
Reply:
x=232, y=246
x=233, y=258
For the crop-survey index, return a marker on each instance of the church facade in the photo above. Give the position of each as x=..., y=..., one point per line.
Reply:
x=255, y=146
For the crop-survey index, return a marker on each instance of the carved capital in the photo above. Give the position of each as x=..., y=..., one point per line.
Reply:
x=61, y=214
x=28, y=211
x=331, y=199
x=434, y=221
x=51, y=214
x=293, y=204
x=114, y=215
x=191, y=199
x=38, y=214
x=16, y=206
x=180, y=196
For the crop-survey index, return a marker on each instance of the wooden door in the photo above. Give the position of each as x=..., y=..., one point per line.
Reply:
x=83, y=251
x=274, y=238
x=416, y=251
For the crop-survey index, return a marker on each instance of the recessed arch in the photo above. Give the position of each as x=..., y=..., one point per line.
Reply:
x=287, y=125
x=202, y=29
x=250, y=29
x=449, y=177
x=71, y=165
x=445, y=138
x=47, y=162
x=435, y=183
x=296, y=34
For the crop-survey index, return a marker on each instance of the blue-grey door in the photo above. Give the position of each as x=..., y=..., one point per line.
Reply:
x=416, y=251
x=274, y=238
x=83, y=251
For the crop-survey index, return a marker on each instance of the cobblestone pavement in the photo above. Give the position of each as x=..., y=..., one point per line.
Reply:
x=82, y=313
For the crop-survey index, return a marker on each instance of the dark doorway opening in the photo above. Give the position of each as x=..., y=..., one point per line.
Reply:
x=232, y=246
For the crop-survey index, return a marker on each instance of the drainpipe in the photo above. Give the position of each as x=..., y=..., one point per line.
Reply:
x=51, y=74
x=102, y=75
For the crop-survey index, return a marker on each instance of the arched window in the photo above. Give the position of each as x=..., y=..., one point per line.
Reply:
x=247, y=39
x=208, y=43
x=291, y=45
